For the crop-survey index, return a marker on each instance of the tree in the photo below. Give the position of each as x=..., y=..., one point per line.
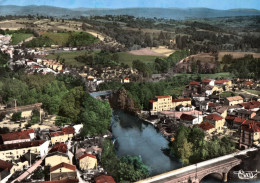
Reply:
x=17, y=116
x=185, y=151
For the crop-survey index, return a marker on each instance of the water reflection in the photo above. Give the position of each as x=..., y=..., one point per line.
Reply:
x=135, y=137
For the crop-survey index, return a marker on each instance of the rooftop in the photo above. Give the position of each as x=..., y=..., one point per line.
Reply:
x=214, y=117
x=235, y=98
x=59, y=147
x=206, y=126
x=239, y=120
x=194, y=83
x=4, y=165
x=89, y=155
x=24, y=134
x=159, y=97
x=104, y=179
x=63, y=165
x=181, y=99
x=248, y=83
x=187, y=117
x=6, y=147
x=251, y=126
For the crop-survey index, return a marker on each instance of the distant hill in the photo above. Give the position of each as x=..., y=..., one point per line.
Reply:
x=169, y=13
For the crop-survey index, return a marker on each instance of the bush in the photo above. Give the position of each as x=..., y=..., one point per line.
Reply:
x=17, y=116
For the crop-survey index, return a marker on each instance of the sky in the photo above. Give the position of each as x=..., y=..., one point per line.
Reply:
x=214, y=4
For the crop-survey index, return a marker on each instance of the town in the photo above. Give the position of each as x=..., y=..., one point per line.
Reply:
x=93, y=100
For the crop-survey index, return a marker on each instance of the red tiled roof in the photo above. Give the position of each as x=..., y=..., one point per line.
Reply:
x=187, y=117
x=24, y=134
x=248, y=83
x=206, y=126
x=6, y=147
x=68, y=130
x=180, y=99
x=214, y=117
x=61, y=70
x=221, y=81
x=251, y=105
x=60, y=147
x=206, y=81
x=63, y=181
x=230, y=99
x=152, y=101
x=89, y=155
x=126, y=78
x=104, y=179
x=230, y=118
x=63, y=165
x=194, y=83
x=211, y=104
x=239, y=120
x=163, y=97
x=4, y=165
x=36, y=67
x=65, y=130
x=251, y=126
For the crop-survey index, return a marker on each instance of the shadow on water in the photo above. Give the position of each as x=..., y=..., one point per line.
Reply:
x=136, y=137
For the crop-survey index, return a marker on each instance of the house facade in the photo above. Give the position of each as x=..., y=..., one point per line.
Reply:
x=63, y=171
x=230, y=101
x=216, y=120
x=87, y=161
x=250, y=134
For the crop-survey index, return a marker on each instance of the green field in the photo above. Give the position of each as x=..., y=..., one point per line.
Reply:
x=69, y=57
x=227, y=94
x=256, y=92
x=226, y=75
x=128, y=58
x=19, y=37
x=59, y=38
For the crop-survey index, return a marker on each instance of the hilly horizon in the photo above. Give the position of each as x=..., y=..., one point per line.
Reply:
x=168, y=13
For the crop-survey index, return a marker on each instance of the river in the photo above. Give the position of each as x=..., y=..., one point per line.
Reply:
x=136, y=137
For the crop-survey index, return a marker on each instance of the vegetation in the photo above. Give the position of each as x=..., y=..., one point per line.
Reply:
x=228, y=94
x=128, y=58
x=35, y=117
x=41, y=41
x=124, y=169
x=19, y=37
x=190, y=147
x=3, y=59
x=17, y=116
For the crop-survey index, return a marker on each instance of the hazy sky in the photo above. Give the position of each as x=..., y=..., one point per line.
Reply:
x=214, y=4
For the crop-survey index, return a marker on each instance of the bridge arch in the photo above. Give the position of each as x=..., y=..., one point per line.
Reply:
x=215, y=175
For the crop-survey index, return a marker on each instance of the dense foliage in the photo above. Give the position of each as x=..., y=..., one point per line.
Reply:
x=190, y=147
x=81, y=39
x=3, y=59
x=17, y=116
x=41, y=41
x=246, y=67
x=124, y=169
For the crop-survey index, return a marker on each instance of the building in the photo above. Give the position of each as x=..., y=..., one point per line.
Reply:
x=207, y=127
x=191, y=119
x=216, y=120
x=63, y=171
x=87, y=161
x=223, y=82
x=10, y=152
x=181, y=101
x=252, y=106
x=57, y=155
x=17, y=137
x=250, y=134
x=161, y=103
x=230, y=101
x=62, y=136
x=210, y=82
x=245, y=114
x=104, y=179
x=5, y=169
x=52, y=64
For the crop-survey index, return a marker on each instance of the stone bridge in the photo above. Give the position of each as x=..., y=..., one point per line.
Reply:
x=195, y=173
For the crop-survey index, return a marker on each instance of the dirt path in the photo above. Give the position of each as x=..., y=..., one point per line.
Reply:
x=26, y=40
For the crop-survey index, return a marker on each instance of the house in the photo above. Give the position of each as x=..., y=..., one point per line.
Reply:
x=10, y=152
x=191, y=119
x=222, y=111
x=247, y=84
x=104, y=179
x=161, y=103
x=62, y=136
x=250, y=134
x=210, y=82
x=126, y=80
x=223, y=82
x=87, y=161
x=252, y=106
x=17, y=137
x=57, y=155
x=233, y=100
x=207, y=127
x=181, y=101
x=5, y=168
x=216, y=120
x=63, y=171
x=245, y=114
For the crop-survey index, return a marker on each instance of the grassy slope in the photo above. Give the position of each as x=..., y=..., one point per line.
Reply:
x=128, y=58
x=19, y=37
x=59, y=38
x=225, y=75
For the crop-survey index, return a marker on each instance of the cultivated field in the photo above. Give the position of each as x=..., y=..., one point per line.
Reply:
x=237, y=54
x=158, y=51
x=19, y=37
